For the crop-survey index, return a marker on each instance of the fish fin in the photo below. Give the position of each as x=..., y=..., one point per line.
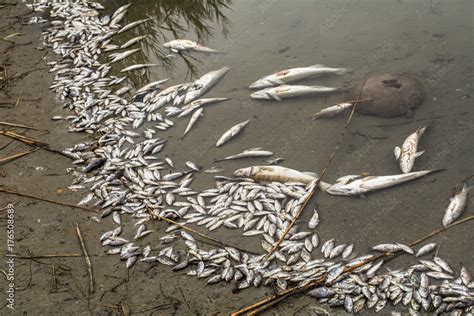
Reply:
x=317, y=66
x=342, y=71
x=418, y=154
x=311, y=174
x=421, y=130
x=397, y=152
x=362, y=196
x=316, y=116
x=274, y=95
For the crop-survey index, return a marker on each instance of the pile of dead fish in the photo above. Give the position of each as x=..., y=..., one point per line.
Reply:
x=132, y=181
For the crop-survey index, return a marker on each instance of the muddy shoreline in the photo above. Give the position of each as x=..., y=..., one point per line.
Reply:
x=405, y=213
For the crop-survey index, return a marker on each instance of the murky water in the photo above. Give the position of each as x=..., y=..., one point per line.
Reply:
x=424, y=38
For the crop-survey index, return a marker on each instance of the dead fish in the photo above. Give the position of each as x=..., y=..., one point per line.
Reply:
x=179, y=45
x=121, y=56
x=408, y=153
x=203, y=84
x=275, y=161
x=214, y=169
x=231, y=133
x=131, y=25
x=193, y=120
x=287, y=91
x=253, y=152
x=293, y=74
x=456, y=206
x=387, y=247
x=356, y=185
x=333, y=110
x=275, y=173
x=426, y=249
x=132, y=41
x=314, y=220
x=188, y=108
x=138, y=66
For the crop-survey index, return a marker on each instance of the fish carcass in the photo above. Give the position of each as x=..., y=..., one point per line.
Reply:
x=203, y=84
x=179, y=45
x=289, y=91
x=456, y=206
x=407, y=154
x=333, y=110
x=293, y=74
x=356, y=185
x=275, y=173
x=231, y=133
x=248, y=153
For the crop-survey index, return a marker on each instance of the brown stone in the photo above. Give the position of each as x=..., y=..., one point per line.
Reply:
x=392, y=95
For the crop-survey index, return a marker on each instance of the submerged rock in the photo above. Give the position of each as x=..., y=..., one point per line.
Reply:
x=392, y=95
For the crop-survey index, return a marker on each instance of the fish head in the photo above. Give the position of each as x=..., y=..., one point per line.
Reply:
x=260, y=95
x=339, y=189
x=244, y=172
x=261, y=83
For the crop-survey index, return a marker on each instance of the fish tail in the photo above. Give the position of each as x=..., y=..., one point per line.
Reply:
x=420, y=131
x=343, y=71
x=436, y=170
x=316, y=116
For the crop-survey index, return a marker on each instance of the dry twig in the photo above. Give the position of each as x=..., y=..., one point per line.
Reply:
x=48, y=200
x=87, y=259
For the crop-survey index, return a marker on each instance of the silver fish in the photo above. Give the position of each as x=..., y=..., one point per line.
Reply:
x=253, y=152
x=333, y=110
x=231, y=133
x=456, y=206
x=287, y=91
x=203, y=84
x=408, y=153
x=293, y=74
x=356, y=185
x=193, y=120
x=179, y=45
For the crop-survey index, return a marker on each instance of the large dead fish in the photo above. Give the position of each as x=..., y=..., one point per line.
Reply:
x=203, y=84
x=231, y=133
x=356, y=185
x=179, y=45
x=456, y=206
x=249, y=153
x=407, y=154
x=289, y=91
x=294, y=74
x=275, y=173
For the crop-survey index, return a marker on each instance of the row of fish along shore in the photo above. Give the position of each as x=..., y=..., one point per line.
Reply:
x=116, y=208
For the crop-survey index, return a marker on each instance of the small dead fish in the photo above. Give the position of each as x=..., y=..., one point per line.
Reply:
x=179, y=45
x=231, y=133
x=193, y=120
x=138, y=66
x=456, y=206
x=275, y=161
x=214, y=169
x=333, y=110
x=249, y=153
x=426, y=249
x=408, y=153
